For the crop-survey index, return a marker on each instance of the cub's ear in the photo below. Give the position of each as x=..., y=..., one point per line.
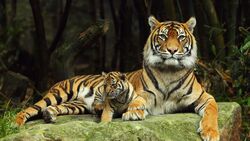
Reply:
x=153, y=22
x=122, y=77
x=191, y=24
x=104, y=74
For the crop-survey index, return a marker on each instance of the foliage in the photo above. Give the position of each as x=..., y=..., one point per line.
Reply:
x=228, y=78
x=239, y=66
x=7, y=124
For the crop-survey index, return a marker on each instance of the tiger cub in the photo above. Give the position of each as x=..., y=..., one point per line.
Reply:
x=114, y=97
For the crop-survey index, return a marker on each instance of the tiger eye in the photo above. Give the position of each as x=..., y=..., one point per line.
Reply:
x=162, y=37
x=182, y=37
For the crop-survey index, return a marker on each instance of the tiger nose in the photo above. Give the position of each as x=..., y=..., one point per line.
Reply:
x=172, y=50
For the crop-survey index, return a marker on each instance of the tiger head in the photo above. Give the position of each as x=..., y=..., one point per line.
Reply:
x=115, y=84
x=171, y=44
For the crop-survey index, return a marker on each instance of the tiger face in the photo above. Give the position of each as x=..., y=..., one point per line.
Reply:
x=115, y=83
x=171, y=44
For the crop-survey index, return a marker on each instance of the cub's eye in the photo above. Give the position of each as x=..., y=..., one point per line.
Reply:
x=182, y=37
x=112, y=81
x=162, y=37
x=113, y=85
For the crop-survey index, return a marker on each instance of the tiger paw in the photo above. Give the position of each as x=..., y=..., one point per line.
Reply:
x=49, y=115
x=21, y=118
x=137, y=104
x=209, y=133
x=134, y=115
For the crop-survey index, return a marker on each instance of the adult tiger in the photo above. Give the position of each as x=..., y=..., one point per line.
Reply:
x=166, y=82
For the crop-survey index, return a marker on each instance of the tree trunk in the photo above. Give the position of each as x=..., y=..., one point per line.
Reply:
x=214, y=22
x=125, y=14
x=3, y=21
x=142, y=15
x=231, y=20
x=62, y=24
x=41, y=49
x=170, y=9
x=202, y=37
x=116, y=55
x=64, y=56
x=187, y=9
x=102, y=47
x=163, y=10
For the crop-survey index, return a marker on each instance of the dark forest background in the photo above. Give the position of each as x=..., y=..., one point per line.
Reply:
x=43, y=42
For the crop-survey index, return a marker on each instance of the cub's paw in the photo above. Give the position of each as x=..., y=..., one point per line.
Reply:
x=209, y=133
x=49, y=115
x=21, y=118
x=98, y=107
x=134, y=115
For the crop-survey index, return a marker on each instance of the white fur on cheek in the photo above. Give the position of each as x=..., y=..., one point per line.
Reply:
x=150, y=58
x=189, y=61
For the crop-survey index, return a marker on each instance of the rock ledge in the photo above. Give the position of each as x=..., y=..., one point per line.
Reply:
x=169, y=127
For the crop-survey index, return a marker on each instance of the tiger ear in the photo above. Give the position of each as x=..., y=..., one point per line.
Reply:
x=153, y=22
x=191, y=24
x=123, y=77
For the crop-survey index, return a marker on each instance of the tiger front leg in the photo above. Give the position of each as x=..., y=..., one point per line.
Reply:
x=208, y=128
x=136, y=109
x=107, y=114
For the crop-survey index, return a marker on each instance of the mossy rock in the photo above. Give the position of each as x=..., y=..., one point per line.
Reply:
x=169, y=127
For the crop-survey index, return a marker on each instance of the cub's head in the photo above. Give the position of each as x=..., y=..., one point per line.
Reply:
x=115, y=84
x=170, y=44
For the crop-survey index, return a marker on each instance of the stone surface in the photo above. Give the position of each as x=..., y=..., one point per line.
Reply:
x=169, y=127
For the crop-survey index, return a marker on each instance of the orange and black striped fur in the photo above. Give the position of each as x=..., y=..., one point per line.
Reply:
x=71, y=96
x=166, y=82
x=114, y=97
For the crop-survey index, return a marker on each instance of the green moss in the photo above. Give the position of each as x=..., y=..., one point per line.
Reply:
x=168, y=127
